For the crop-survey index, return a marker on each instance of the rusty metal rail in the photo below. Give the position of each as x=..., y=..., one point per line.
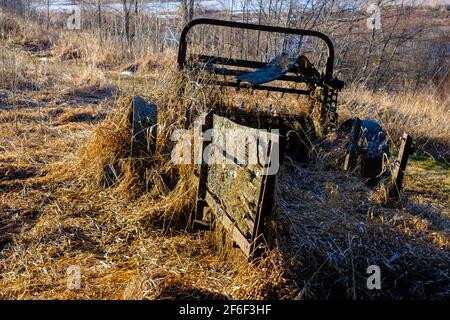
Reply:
x=210, y=62
x=183, y=39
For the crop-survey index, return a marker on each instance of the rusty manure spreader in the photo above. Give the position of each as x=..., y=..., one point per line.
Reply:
x=239, y=194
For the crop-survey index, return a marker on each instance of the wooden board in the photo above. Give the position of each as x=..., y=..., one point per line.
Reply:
x=143, y=117
x=233, y=179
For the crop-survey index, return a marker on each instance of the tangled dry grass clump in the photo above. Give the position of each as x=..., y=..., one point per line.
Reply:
x=149, y=64
x=9, y=27
x=104, y=160
x=28, y=34
x=77, y=47
x=16, y=77
x=88, y=49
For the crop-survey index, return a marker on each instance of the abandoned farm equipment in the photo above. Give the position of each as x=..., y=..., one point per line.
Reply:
x=240, y=195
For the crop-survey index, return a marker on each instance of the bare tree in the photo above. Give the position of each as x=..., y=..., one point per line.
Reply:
x=13, y=6
x=126, y=19
x=188, y=10
x=99, y=20
x=48, y=14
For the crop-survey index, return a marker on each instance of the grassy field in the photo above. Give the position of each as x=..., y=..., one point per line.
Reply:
x=61, y=122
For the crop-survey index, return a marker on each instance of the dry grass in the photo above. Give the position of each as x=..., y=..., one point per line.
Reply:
x=70, y=195
x=425, y=115
x=87, y=49
x=111, y=231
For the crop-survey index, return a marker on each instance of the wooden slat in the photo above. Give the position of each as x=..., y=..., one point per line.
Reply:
x=231, y=227
x=352, y=153
x=143, y=117
x=265, y=206
x=406, y=148
x=238, y=193
x=237, y=73
x=203, y=176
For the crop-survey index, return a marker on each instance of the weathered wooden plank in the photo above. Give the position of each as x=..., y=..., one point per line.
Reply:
x=352, y=150
x=237, y=187
x=235, y=174
x=265, y=207
x=233, y=179
x=203, y=176
x=143, y=118
x=231, y=227
x=406, y=148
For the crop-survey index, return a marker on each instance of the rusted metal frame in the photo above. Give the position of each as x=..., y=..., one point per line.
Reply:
x=352, y=151
x=183, y=38
x=229, y=62
x=406, y=148
x=333, y=83
x=197, y=220
x=290, y=78
x=267, y=88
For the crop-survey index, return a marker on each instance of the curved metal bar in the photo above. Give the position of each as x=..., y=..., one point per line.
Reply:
x=249, y=26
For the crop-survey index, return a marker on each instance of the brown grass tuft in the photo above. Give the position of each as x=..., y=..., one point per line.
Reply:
x=424, y=115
